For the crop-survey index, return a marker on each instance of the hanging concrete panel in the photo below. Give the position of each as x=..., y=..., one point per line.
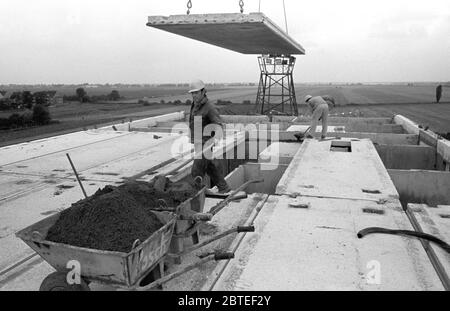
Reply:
x=248, y=34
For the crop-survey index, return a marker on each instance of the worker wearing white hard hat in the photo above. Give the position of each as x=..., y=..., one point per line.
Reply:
x=196, y=85
x=205, y=112
x=319, y=107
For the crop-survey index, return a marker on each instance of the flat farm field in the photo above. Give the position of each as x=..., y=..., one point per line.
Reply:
x=416, y=102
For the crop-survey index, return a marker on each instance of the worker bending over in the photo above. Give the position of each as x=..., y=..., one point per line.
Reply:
x=319, y=107
x=207, y=112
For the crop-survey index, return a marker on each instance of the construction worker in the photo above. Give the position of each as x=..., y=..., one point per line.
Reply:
x=201, y=107
x=319, y=107
x=330, y=100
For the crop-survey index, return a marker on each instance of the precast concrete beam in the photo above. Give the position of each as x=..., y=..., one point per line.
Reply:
x=317, y=248
x=324, y=168
x=408, y=125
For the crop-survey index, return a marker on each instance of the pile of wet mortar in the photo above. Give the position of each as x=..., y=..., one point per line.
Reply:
x=114, y=217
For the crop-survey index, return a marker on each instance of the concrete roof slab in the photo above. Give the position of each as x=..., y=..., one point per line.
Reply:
x=254, y=33
x=317, y=170
x=317, y=248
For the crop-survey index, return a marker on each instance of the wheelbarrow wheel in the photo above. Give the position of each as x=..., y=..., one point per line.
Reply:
x=57, y=281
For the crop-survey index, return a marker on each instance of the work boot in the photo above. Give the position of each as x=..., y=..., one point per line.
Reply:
x=225, y=190
x=210, y=191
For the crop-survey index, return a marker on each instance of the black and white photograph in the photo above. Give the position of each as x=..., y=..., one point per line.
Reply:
x=225, y=152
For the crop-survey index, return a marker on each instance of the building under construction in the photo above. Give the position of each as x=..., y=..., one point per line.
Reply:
x=316, y=196
x=367, y=208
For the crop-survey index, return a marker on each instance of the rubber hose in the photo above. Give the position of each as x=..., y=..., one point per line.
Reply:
x=420, y=235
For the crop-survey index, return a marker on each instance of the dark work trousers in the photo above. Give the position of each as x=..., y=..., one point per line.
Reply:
x=210, y=167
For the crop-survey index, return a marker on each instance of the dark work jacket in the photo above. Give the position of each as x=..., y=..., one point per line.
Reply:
x=209, y=115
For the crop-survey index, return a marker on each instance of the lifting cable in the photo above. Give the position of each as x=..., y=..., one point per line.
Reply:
x=189, y=6
x=285, y=19
x=284, y=10
x=241, y=6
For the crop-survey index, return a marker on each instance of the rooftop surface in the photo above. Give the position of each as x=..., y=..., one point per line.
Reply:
x=296, y=248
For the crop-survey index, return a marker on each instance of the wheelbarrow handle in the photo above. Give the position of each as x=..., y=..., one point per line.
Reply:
x=223, y=256
x=202, y=216
x=164, y=209
x=238, y=229
x=219, y=206
x=245, y=229
x=166, y=278
x=197, y=217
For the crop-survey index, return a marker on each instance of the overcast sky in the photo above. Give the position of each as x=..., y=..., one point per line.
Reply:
x=107, y=41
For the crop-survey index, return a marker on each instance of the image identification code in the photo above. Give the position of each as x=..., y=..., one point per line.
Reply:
x=226, y=300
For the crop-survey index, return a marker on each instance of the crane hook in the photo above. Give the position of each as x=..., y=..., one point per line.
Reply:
x=189, y=6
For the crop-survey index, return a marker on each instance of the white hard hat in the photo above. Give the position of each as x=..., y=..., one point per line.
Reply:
x=307, y=97
x=196, y=85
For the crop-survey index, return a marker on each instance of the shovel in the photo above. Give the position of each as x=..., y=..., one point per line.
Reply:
x=301, y=136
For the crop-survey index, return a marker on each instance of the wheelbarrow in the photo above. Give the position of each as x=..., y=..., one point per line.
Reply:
x=140, y=269
x=104, y=267
x=191, y=216
x=151, y=282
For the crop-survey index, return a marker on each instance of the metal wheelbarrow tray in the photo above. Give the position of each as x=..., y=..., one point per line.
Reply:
x=185, y=226
x=191, y=216
x=106, y=267
x=195, y=204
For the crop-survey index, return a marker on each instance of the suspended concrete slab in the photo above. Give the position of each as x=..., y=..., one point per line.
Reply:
x=254, y=33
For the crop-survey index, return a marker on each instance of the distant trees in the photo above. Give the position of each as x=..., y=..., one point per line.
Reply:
x=114, y=95
x=82, y=95
x=43, y=97
x=41, y=115
x=16, y=120
x=438, y=93
x=27, y=99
